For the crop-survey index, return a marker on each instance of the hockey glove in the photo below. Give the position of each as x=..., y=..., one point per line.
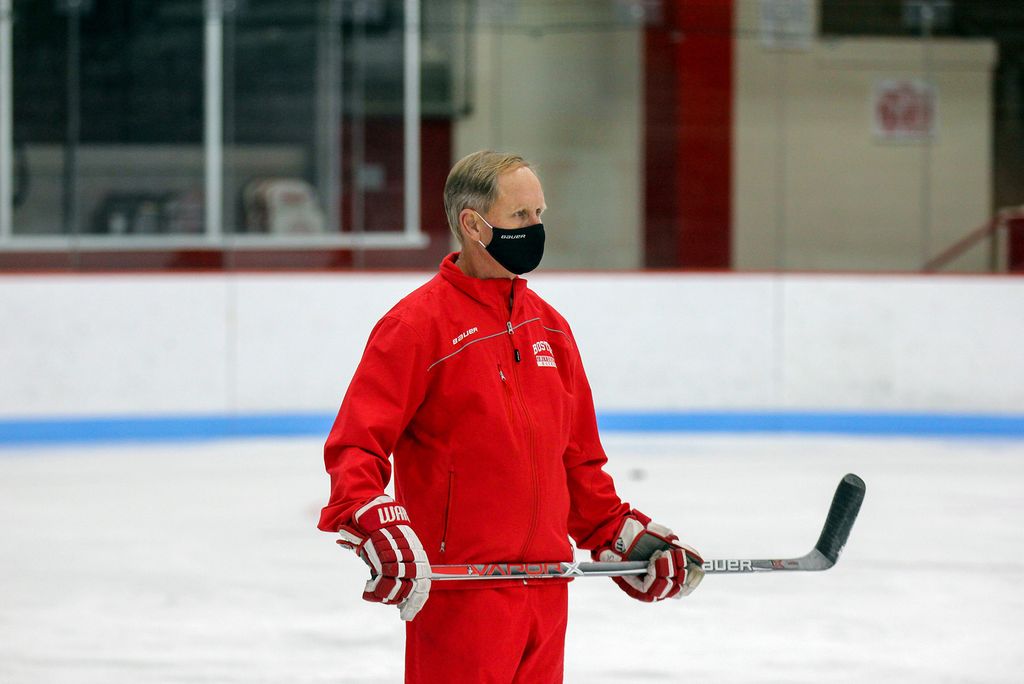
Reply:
x=674, y=569
x=399, y=570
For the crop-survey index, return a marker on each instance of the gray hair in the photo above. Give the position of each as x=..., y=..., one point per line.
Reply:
x=473, y=183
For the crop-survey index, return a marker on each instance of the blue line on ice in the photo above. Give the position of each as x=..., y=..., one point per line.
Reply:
x=200, y=427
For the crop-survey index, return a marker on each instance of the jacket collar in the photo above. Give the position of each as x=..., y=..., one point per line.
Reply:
x=492, y=292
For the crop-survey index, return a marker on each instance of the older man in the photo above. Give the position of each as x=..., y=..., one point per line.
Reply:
x=475, y=384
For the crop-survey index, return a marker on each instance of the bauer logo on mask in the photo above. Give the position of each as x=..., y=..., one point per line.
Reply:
x=517, y=250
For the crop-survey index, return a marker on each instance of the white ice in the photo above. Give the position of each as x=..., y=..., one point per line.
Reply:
x=200, y=563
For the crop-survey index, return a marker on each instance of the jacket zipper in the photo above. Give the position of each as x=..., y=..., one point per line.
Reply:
x=508, y=323
x=533, y=468
x=529, y=429
x=448, y=508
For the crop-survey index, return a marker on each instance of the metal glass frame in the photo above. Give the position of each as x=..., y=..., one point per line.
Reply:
x=6, y=127
x=411, y=235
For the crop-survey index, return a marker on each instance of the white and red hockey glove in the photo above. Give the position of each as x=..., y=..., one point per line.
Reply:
x=399, y=570
x=674, y=569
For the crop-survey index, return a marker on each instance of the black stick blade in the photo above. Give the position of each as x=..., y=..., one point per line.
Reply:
x=843, y=512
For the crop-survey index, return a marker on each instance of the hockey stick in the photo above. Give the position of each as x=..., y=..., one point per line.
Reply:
x=841, y=516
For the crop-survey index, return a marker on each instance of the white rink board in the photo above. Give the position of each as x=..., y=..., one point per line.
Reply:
x=200, y=563
x=215, y=343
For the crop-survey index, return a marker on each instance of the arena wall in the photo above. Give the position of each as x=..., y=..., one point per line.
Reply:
x=253, y=344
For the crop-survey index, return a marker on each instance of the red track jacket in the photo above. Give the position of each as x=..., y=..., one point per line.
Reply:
x=476, y=387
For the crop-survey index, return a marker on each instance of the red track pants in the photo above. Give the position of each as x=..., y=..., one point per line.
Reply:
x=489, y=636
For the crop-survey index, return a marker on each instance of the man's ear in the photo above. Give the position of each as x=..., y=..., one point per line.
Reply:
x=469, y=226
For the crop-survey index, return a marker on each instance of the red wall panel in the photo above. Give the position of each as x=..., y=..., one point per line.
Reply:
x=688, y=135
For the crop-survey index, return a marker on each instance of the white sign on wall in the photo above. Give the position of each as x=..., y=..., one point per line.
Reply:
x=787, y=24
x=905, y=110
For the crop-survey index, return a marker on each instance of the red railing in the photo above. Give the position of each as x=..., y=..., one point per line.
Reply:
x=1005, y=235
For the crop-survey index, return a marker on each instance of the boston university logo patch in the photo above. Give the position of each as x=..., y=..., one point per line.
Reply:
x=544, y=354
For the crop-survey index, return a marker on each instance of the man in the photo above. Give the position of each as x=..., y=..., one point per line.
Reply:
x=475, y=384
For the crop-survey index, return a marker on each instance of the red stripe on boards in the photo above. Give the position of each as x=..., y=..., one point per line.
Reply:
x=688, y=135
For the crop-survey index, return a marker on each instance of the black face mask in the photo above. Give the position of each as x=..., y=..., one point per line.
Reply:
x=518, y=251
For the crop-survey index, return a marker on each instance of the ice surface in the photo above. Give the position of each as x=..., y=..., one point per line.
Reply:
x=200, y=563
